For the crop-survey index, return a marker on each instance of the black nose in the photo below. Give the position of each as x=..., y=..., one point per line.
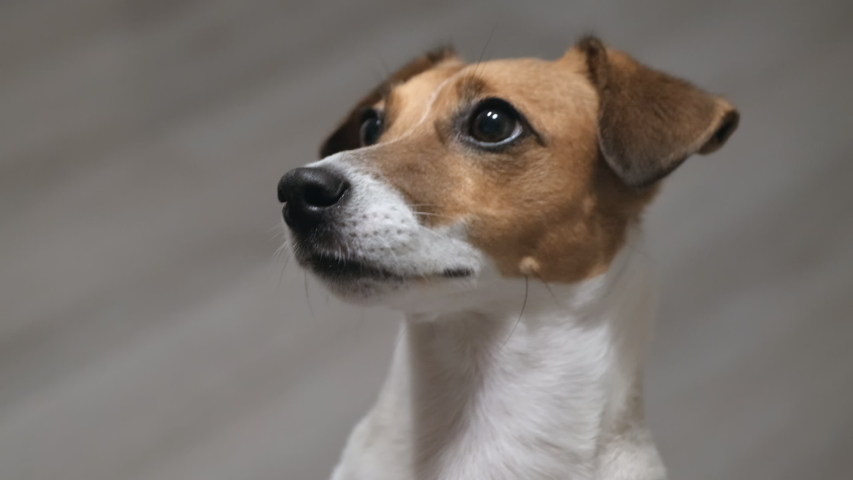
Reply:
x=308, y=193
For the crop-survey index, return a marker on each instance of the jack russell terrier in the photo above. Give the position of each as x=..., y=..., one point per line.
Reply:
x=497, y=205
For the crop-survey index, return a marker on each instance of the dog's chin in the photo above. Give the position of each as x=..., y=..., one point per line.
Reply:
x=367, y=283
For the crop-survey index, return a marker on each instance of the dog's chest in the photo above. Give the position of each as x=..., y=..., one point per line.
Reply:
x=534, y=417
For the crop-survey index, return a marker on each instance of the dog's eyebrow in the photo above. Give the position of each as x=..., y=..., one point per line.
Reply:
x=470, y=88
x=390, y=100
x=391, y=104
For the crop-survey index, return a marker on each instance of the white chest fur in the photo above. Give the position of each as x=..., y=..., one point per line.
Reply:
x=483, y=393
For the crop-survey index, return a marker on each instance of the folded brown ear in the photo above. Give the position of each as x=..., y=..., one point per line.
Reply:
x=650, y=122
x=346, y=136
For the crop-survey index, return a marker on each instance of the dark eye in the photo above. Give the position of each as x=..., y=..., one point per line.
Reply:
x=494, y=122
x=371, y=127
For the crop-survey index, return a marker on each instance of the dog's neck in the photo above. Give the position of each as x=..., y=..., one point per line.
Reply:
x=494, y=392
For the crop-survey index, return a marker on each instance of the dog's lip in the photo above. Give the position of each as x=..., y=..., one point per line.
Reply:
x=349, y=268
x=458, y=272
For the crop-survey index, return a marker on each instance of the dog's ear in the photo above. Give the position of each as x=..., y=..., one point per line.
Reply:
x=346, y=136
x=650, y=122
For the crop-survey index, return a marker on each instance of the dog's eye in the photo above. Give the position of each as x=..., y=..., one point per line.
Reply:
x=494, y=122
x=371, y=127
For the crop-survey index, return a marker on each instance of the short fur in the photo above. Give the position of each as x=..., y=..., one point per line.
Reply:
x=462, y=239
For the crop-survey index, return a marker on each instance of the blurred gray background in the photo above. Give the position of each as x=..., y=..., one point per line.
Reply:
x=148, y=332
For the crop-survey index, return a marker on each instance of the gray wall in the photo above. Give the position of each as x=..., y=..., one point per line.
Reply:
x=147, y=330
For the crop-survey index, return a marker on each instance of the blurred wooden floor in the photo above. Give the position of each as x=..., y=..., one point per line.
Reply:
x=146, y=331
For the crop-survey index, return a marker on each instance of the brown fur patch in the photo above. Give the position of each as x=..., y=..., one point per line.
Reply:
x=346, y=135
x=555, y=205
x=650, y=122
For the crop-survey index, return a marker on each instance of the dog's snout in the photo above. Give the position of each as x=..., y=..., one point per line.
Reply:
x=308, y=193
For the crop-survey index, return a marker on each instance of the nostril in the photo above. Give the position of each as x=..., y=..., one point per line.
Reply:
x=282, y=190
x=312, y=187
x=308, y=193
x=324, y=194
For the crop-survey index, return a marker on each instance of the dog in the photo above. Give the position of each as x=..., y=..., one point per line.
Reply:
x=498, y=205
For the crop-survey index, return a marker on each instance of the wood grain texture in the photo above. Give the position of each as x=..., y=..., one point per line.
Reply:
x=147, y=331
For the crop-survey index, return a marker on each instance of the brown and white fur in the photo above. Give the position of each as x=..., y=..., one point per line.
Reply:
x=527, y=306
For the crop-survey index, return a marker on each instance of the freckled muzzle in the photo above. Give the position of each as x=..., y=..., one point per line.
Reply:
x=358, y=235
x=316, y=209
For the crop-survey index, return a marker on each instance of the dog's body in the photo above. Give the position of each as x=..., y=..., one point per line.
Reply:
x=497, y=205
x=486, y=395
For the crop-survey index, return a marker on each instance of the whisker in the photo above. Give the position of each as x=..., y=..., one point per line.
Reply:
x=380, y=76
x=483, y=53
x=429, y=214
x=281, y=249
x=426, y=205
x=281, y=275
x=548, y=287
x=551, y=292
x=385, y=69
x=308, y=297
x=523, y=306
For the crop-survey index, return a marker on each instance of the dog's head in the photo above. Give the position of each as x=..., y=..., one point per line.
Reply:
x=451, y=174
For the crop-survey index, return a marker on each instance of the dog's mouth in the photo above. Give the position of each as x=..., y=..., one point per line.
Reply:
x=347, y=269
x=344, y=269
